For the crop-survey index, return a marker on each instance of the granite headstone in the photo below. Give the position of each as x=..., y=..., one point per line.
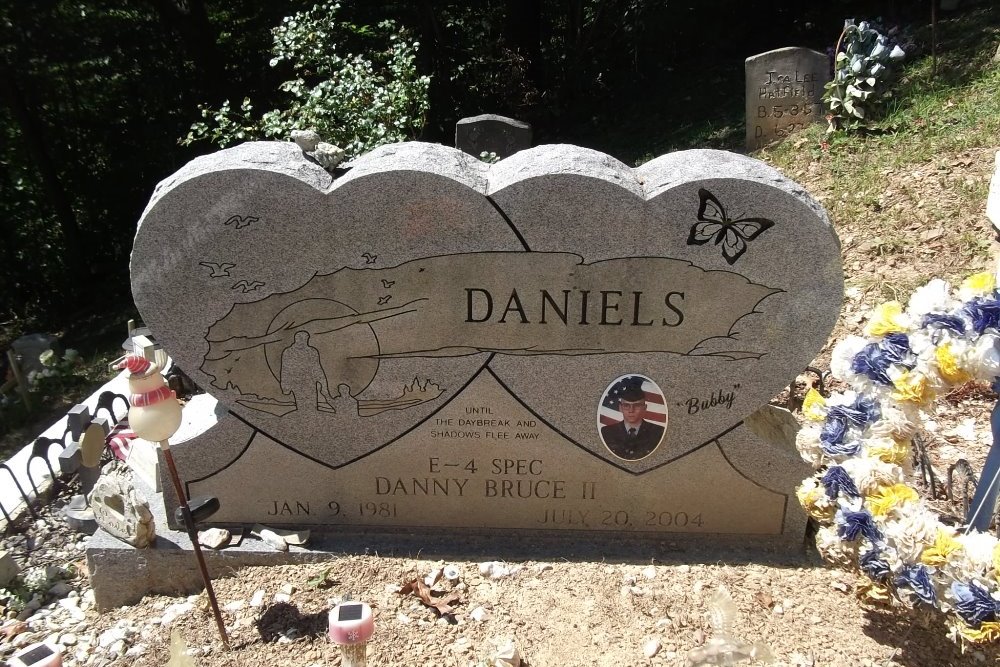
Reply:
x=784, y=92
x=489, y=133
x=554, y=342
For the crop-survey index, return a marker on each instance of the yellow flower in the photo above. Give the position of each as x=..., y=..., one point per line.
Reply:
x=889, y=450
x=979, y=284
x=937, y=554
x=886, y=319
x=886, y=498
x=985, y=633
x=948, y=366
x=808, y=497
x=996, y=561
x=912, y=388
x=814, y=406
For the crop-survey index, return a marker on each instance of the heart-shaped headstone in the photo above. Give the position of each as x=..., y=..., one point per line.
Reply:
x=335, y=315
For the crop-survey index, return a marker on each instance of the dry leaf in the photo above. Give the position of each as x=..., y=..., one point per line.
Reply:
x=11, y=629
x=764, y=599
x=440, y=602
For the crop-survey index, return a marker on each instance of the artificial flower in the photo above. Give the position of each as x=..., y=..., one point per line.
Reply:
x=930, y=298
x=842, y=358
x=911, y=387
x=815, y=501
x=854, y=524
x=814, y=406
x=949, y=364
x=984, y=357
x=974, y=603
x=917, y=578
x=889, y=450
x=978, y=284
x=913, y=528
x=837, y=482
x=975, y=560
x=987, y=632
x=869, y=474
x=944, y=545
x=887, y=318
x=809, y=445
x=895, y=422
x=887, y=498
x=874, y=565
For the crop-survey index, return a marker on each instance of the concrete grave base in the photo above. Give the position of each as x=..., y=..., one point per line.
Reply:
x=121, y=575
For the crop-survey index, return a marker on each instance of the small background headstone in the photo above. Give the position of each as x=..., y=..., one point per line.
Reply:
x=29, y=347
x=490, y=133
x=784, y=90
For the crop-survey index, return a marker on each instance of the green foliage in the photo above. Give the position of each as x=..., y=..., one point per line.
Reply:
x=355, y=101
x=863, y=75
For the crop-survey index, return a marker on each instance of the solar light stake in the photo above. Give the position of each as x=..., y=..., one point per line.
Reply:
x=351, y=626
x=155, y=415
x=192, y=532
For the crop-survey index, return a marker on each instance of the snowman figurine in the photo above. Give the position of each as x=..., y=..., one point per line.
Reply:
x=155, y=414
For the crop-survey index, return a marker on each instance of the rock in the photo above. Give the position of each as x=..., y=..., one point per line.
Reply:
x=451, y=573
x=649, y=572
x=328, y=155
x=432, y=578
x=507, y=655
x=121, y=511
x=175, y=611
x=494, y=569
x=651, y=648
x=68, y=639
x=110, y=637
x=235, y=605
x=136, y=651
x=479, y=614
x=307, y=140
x=214, y=538
x=8, y=568
x=257, y=599
x=287, y=589
x=282, y=597
x=273, y=539
x=118, y=648
x=60, y=590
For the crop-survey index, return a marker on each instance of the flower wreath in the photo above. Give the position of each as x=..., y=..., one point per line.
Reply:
x=860, y=443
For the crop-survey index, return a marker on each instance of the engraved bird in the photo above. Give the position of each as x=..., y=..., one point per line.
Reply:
x=241, y=221
x=382, y=300
x=369, y=258
x=218, y=270
x=388, y=283
x=248, y=286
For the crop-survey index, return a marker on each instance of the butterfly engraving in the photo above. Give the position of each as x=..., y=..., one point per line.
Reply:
x=714, y=225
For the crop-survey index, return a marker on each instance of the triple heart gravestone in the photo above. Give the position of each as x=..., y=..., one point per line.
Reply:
x=555, y=342
x=784, y=93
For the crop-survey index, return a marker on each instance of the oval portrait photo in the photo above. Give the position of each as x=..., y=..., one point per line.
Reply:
x=632, y=417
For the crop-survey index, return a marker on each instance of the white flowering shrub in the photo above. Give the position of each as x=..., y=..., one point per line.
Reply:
x=356, y=101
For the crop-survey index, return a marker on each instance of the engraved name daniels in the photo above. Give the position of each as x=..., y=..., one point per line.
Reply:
x=575, y=307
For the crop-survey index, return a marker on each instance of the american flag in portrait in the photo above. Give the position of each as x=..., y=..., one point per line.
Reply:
x=656, y=410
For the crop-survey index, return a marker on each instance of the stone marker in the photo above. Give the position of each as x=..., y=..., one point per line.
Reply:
x=395, y=350
x=490, y=133
x=784, y=92
x=30, y=347
x=121, y=511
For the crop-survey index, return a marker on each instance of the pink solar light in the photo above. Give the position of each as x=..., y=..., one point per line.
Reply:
x=351, y=623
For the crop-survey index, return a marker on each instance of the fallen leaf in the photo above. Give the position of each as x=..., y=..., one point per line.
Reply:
x=764, y=599
x=11, y=629
x=441, y=602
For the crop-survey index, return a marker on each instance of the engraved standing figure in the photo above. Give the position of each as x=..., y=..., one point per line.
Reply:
x=302, y=374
